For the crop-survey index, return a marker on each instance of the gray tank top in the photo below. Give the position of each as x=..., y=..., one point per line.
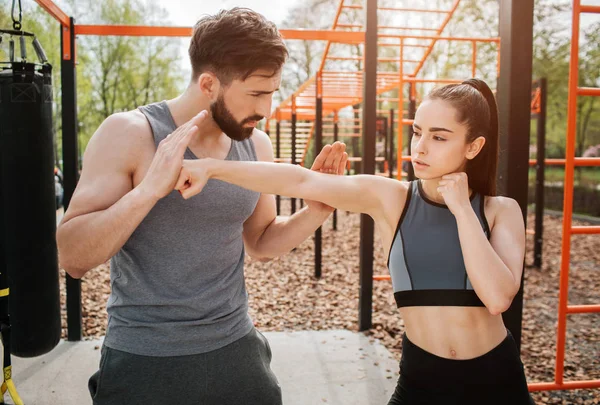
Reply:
x=177, y=285
x=426, y=262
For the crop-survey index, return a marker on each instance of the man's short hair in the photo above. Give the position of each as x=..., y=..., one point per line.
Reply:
x=233, y=44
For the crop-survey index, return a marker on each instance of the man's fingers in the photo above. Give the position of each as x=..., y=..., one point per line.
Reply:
x=185, y=140
x=337, y=159
x=335, y=152
x=182, y=131
x=199, y=119
x=184, y=177
x=321, y=157
x=342, y=165
x=191, y=191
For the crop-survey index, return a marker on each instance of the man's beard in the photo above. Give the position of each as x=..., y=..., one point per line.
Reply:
x=224, y=119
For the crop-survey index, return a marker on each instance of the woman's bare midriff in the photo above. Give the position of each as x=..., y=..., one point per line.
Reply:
x=457, y=333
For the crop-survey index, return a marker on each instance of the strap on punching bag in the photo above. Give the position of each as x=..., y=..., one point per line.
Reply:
x=7, y=383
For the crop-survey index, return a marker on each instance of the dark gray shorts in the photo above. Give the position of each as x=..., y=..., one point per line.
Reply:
x=238, y=373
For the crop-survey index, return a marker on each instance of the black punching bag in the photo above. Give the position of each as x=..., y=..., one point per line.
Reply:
x=28, y=208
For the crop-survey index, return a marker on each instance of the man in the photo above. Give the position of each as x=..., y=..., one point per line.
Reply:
x=178, y=328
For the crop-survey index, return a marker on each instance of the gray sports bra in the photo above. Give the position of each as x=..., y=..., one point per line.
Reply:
x=426, y=262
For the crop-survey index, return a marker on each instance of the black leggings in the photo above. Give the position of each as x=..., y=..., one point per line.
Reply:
x=495, y=378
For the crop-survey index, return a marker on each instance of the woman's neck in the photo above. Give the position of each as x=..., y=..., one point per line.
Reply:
x=430, y=187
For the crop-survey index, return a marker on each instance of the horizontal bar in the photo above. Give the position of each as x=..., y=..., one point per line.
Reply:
x=588, y=91
x=418, y=10
x=349, y=37
x=388, y=27
x=55, y=12
x=568, y=385
x=135, y=31
x=359, y=58
x=440, y=38
x=582, y=309
x=589, y=9
x=405, y=45
x=343, y=135
x=359, y=159
x=380, y=278
x=562, y=162
x=585, y=230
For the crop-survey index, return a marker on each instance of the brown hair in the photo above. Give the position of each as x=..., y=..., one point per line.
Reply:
x=476, y=108
x=234, y=43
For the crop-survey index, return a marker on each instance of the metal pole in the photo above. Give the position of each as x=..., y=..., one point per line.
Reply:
x=539, y=178
x=318, y=147
x=293, y=209
x=412, y=110
x=70, y=164
x=399, y=147
x=369, y=129
x=514, y=105
x=335, y=139
x=384, y=124
x=391, y=145
x=278, y=155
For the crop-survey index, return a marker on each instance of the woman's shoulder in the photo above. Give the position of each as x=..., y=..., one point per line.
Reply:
x=498, y=207
x=501, y=203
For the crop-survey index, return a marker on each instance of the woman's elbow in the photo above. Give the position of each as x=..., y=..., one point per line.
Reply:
x=499, y=305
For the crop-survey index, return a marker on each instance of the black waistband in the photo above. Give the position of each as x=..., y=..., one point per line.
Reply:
x=500, y=364
x=437, y=298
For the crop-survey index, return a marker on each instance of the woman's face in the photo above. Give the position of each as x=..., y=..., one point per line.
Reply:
x=438, y=146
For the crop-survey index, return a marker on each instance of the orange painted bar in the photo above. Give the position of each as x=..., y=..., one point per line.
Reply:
x=561, y=162
x=583, y=309
x=588, y=91
x=135, y=31
x=585, y=230
x=440, y=38
x=568, y=385
x=350, y=37
x=388, y=27
x=590, y=9
x=66, y=36
x=418, y=10
x=568, y=197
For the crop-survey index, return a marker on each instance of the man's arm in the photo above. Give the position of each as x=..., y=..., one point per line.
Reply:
x=267, y=235
x=105, y=208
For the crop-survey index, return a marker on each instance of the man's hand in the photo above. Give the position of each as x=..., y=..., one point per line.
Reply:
x=168, y=159
x=332, y=160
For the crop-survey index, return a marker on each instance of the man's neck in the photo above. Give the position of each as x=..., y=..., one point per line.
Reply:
x=187, y=105
x=210, y=141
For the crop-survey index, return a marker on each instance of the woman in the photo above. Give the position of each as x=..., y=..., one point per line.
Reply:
x=455, y=250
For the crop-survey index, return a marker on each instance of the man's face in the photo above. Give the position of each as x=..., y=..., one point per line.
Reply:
x=240, y=106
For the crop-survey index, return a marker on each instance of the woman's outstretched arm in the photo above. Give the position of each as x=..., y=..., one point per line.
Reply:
x=360, y=193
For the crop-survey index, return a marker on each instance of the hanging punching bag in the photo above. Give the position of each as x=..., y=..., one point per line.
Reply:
x=27, y=207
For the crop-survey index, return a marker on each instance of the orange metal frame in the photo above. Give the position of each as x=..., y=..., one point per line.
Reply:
x=568, y=229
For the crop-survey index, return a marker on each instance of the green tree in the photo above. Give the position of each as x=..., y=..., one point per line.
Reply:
x=47, y=30
x=113, y=73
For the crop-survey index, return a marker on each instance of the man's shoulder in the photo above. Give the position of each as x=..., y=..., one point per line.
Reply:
x=124, y=129
x=122, y=136
x=262, y=145
x=129, y=122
